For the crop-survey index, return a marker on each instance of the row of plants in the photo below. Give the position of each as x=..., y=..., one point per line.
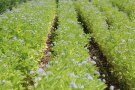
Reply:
x=70, y=67
x=9, y=4
x=113, y=15
x=128, y=6
x=23, y=33
x=114, y=33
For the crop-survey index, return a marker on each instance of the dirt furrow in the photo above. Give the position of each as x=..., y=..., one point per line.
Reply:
x=46, y=58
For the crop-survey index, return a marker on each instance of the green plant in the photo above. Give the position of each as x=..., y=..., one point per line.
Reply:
x=8, y=4
x=71, y=68
x=127, y=6
x=23, y=33
x=114, y=33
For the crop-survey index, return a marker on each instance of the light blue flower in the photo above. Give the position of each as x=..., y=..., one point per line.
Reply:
x=38, y=79
x=82, y=86
x=73, y=85
x=40, y=70
x=112, y=87
x=1, y=61
x=31, y=72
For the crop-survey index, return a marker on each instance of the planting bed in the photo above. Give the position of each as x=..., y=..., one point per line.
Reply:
x=114, y=33
x=23, y=33
x=67, y=45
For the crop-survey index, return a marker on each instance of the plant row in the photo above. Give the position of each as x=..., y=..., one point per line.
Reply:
x=8, y=4
x=23, y=33
x=71, y=66
x=128, y=6
x=115, y=36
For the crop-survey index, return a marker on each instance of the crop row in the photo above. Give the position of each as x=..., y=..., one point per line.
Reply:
x=124, y=34
x=114, y=33
x=128, y=6
x=23, y=33
x=71, y=66
x=8, y=4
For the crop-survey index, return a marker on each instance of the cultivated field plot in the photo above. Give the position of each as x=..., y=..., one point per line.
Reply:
x=67, y=45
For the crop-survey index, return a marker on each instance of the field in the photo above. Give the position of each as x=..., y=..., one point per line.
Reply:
x=67, y=44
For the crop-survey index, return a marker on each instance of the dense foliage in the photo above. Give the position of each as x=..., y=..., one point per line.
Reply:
x=23, y=33
x=127, y=6
x=71, y=66
x=25, y=29
x=8, y=4
x=114, y=33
